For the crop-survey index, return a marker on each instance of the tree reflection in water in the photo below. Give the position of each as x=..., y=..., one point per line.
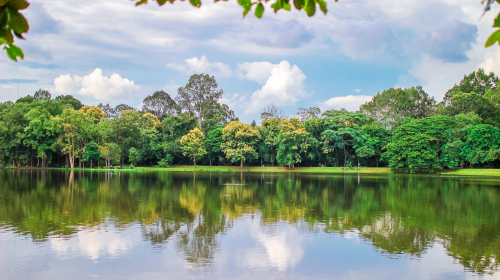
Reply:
x=401, y=215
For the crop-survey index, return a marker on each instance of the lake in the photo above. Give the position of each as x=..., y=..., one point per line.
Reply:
x=57, y=224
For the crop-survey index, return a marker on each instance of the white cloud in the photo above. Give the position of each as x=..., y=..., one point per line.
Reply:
x=357, y=90
x=200, y=65
x=436, y=76
x=284, y=87
x=96, y=85
x=93, y=243
x=255, y=71
x=349, y=102
x=491, y=61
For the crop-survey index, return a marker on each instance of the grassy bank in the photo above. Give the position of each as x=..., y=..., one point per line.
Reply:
x=472, y=172
x=276, y=169
x=245, y=169
x=268, y=169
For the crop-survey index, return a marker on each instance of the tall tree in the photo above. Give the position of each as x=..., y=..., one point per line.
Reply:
x=238, y=142
x=199, y=96
x=73, y=127
x=70, y=100
x=392, y=106
x=472, y=102
x=160, y=104
x=42, y=95
x=477, y=81
x=306, y=114
x=272, y=111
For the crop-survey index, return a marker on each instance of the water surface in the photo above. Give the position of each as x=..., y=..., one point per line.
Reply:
x=216, y=225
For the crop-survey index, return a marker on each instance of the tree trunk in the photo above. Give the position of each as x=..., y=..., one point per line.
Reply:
x=345, y=158
x=241, y=160
x=194, y=160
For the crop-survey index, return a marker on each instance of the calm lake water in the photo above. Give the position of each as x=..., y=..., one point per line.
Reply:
x=185, y=225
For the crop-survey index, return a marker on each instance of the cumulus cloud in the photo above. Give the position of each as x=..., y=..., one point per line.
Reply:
x=96, y=85
x=202, y=65
x=349, y=102
x=449, y=42
x=255, y=71
x=284, y=87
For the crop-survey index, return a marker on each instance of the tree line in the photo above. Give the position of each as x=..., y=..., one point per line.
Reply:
x=404, y=129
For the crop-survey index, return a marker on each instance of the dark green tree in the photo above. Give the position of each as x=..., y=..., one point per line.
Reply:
x=91, y=153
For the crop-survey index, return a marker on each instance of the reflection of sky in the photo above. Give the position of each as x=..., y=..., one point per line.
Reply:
x=249, y=250
x=93, y=243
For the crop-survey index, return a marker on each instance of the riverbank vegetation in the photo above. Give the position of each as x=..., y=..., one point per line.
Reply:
x=403, y=129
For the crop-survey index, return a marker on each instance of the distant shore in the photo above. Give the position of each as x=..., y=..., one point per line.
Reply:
x=276, y=169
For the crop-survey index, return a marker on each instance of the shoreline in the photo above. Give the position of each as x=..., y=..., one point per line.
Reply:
x=278, y=169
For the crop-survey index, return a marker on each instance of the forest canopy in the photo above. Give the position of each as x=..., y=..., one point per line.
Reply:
x=404, y=129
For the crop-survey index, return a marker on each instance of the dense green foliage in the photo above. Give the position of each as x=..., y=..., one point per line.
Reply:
x=403, y=129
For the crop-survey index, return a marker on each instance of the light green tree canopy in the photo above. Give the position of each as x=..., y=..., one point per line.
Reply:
x=193, y=144
x=239, y=141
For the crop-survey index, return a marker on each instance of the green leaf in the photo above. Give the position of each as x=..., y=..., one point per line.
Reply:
x=286, y=6
x=310, y=8
x=276, y=6
x=161, y=2
x=247, y=5
x=17, y=22
x=3, y=41
x=259, y=10
x=299, y=4
x=497, y=21
x=322, y=6
x=142, y=2
x=196, y=3
x=6, y=35
x=13, y=52
x=495, y=37
x=18, y=4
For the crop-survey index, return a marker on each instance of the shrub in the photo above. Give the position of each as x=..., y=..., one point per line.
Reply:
x=166, y=161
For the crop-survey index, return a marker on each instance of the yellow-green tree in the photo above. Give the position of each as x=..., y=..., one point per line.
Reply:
x=193, y=144
x=238, y=142
x=292, y=142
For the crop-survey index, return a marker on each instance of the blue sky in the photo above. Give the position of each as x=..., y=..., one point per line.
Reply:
x=113, y=52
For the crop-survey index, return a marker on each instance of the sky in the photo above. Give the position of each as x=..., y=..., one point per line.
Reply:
x=113, y=52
